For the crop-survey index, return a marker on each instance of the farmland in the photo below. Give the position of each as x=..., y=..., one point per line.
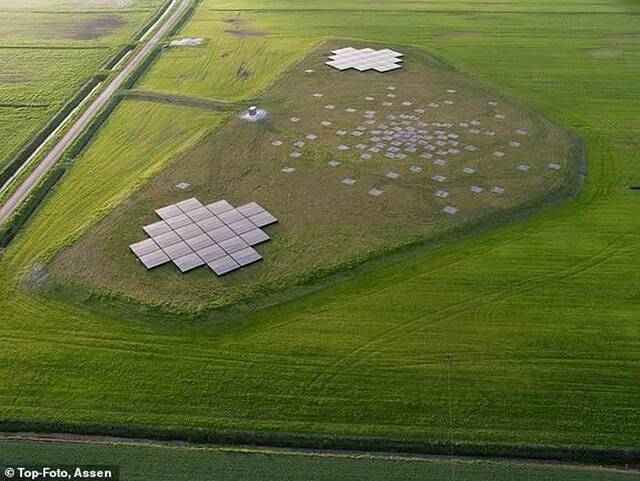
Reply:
x=38, y=83
x=540, y=315
x=235, y=62
x=47, y=53
x=139, y=462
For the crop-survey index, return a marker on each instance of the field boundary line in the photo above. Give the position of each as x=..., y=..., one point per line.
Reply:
x=302, y=452
x=627, y=458
x=178, y=99
x=115, y=62
x=415, y=11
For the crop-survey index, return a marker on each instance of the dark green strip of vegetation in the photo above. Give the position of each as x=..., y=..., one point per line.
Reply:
x=32, y=144
x=581, y=454
x=143, y=462
x=85, y=137
x=142, y=68
x=12, y=226
x=184, y=19
x=151, y=21
x=113, y=61
x=173, y=99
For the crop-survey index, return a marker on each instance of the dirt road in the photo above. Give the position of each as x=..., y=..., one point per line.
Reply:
x=395, y=456
x=22, y=192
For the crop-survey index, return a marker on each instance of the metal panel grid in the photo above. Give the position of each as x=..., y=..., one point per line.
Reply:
x=365, y=59
x=192, y=234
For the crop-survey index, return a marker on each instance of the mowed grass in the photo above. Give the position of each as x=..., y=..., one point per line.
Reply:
x=236, y=61
x=323, y=224
x=541, y=316
x=47, y=53
x=138, y=462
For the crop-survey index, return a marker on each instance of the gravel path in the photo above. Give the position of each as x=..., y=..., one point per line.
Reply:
x=342, y=453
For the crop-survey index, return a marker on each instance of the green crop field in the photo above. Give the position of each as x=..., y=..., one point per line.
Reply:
x=172, y=463
x=234, y=62
x=34, y=84
x=48, y=51
x=540, y=315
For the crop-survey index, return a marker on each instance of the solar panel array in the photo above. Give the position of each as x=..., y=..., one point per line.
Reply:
x=191, y=234
x=365, y=59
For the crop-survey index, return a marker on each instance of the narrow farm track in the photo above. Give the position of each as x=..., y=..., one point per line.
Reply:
x=23, y=191
x=271, y=451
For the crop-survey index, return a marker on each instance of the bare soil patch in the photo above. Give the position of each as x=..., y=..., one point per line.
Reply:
x=186, y=42
x=242, y=72
x=82, y=28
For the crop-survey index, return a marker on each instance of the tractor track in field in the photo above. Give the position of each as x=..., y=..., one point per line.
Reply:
x=362, y=353
x=29, y=184
x=157, y=350
x=180, y=100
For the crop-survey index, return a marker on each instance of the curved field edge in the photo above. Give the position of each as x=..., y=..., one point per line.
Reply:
x=157, y=461
x=268, y=294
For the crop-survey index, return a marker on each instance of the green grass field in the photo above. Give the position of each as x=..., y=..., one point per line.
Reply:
x=34, y=85
x=159, y=463
x=324, y=225
x=541, y=315
x=235, y=61
x=48, y=51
